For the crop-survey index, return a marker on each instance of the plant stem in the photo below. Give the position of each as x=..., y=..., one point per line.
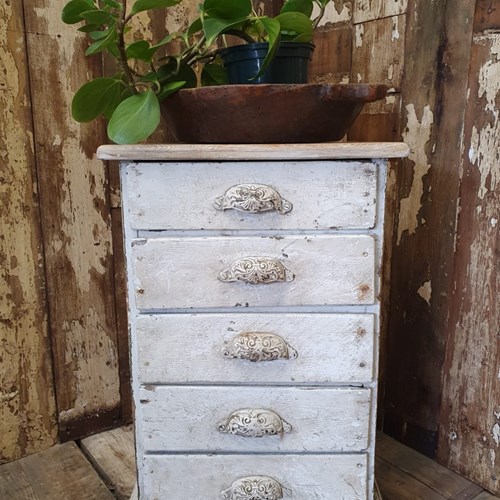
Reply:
x=241, y=34
x=322, y=9
x=121, y=48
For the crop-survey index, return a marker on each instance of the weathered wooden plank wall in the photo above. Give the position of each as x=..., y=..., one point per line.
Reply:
x=439, y=352
x=27, y=404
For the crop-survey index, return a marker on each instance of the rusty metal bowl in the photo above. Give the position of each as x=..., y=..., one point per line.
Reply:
x=267, y=113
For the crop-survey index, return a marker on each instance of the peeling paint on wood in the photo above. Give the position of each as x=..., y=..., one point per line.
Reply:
x=417, y=135
x=378, y=51
x=471, y=402
x=76, y=223
x=368, y=10
x=27, y=405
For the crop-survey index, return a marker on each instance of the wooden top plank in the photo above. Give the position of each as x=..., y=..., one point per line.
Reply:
x=59, y=473
x=222, y=152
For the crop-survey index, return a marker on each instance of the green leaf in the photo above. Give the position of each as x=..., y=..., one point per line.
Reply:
x=135, y=119
x=141, y=5
x=273, y=30
x=88, y=28
x=98, y=35
x=104, y=43
x=196, y=26
x=297, y=23
x=95, y=98
x=72, y=11
x=140, y=50
x=213, y=74
x=166, y=40
x=229, y=10
x=169, y=89
x=215, y=27
x=303, y=6
x=97, y=17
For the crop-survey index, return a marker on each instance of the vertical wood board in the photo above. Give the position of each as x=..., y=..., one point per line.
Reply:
x=438, y=37
x=368, y=10
x=76, y=225
x=470, y=413
x=378, y=51
x=27, y=405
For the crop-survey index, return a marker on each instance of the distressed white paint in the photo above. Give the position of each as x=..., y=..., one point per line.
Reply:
x=369, y=10
x=307, y=477
x=166, y=414
x=187, y=348
x=323, y=195
x=183, y=272
x=333, y=14
x=359, y=31
x=186, y=419
x=417, y=134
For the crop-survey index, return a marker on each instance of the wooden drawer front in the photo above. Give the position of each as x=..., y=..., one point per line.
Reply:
x=181, y=195
x=303, y=477
x=219, y=348
x=185, y=272
x=187, y=419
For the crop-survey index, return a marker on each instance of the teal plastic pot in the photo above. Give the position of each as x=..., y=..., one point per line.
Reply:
x=290, y=64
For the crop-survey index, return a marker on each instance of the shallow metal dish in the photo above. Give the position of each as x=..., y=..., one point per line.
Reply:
x=267, y=113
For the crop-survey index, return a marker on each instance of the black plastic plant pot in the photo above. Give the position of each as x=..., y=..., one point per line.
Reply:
x=290, y=64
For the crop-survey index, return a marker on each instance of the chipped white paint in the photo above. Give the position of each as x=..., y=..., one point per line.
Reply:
x=417, y=135
x=333, y=14
x=395, y=28
x=369, y=10
x=345, y=79
x=390, y=72
x=495, y=432
x=425, y=292
x=492, y=458
x=489, y=74
x=452, y=436
x=493, y=222
x=359, y=31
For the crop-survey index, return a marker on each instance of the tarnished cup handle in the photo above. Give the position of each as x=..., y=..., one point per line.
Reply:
x=254, y=423
x=255, y=487
x=259, y=346
x=253, y=198
x=256, y=271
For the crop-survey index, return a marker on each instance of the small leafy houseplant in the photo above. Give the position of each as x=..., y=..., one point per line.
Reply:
x=147, y=72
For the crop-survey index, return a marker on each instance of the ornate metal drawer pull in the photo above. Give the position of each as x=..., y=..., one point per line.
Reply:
x=255, y=423
x=255, y=488
x=256, y=271
x=253, y=198
x=259, y=346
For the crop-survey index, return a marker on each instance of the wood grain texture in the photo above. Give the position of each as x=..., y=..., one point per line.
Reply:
x=369, y=10
x=307, y=477
x=440, y=479
x=378, y=51
x=186, y=419
x=333, y=195
x=174, y=273
x=421, y=274
x=227, y=152
x=76, y=227
x=331, y=348
x=470, y=413
x=60, y=473
x=27, y=405
x=112, y=454
x=487, y=16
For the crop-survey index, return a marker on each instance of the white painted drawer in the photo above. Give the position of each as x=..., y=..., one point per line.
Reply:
x=218, y=348
x=187, y=419
x=184, y=272
x=304, y=477
x=324, y=195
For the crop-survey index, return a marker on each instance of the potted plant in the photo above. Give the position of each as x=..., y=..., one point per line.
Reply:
x=147, y=74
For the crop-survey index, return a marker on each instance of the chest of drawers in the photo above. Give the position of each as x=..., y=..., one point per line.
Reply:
x=253, y=282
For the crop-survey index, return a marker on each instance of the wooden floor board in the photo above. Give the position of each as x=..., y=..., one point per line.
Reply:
x=112, y=454
x=440, y=479
x=104, y=469
x=59, y=473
